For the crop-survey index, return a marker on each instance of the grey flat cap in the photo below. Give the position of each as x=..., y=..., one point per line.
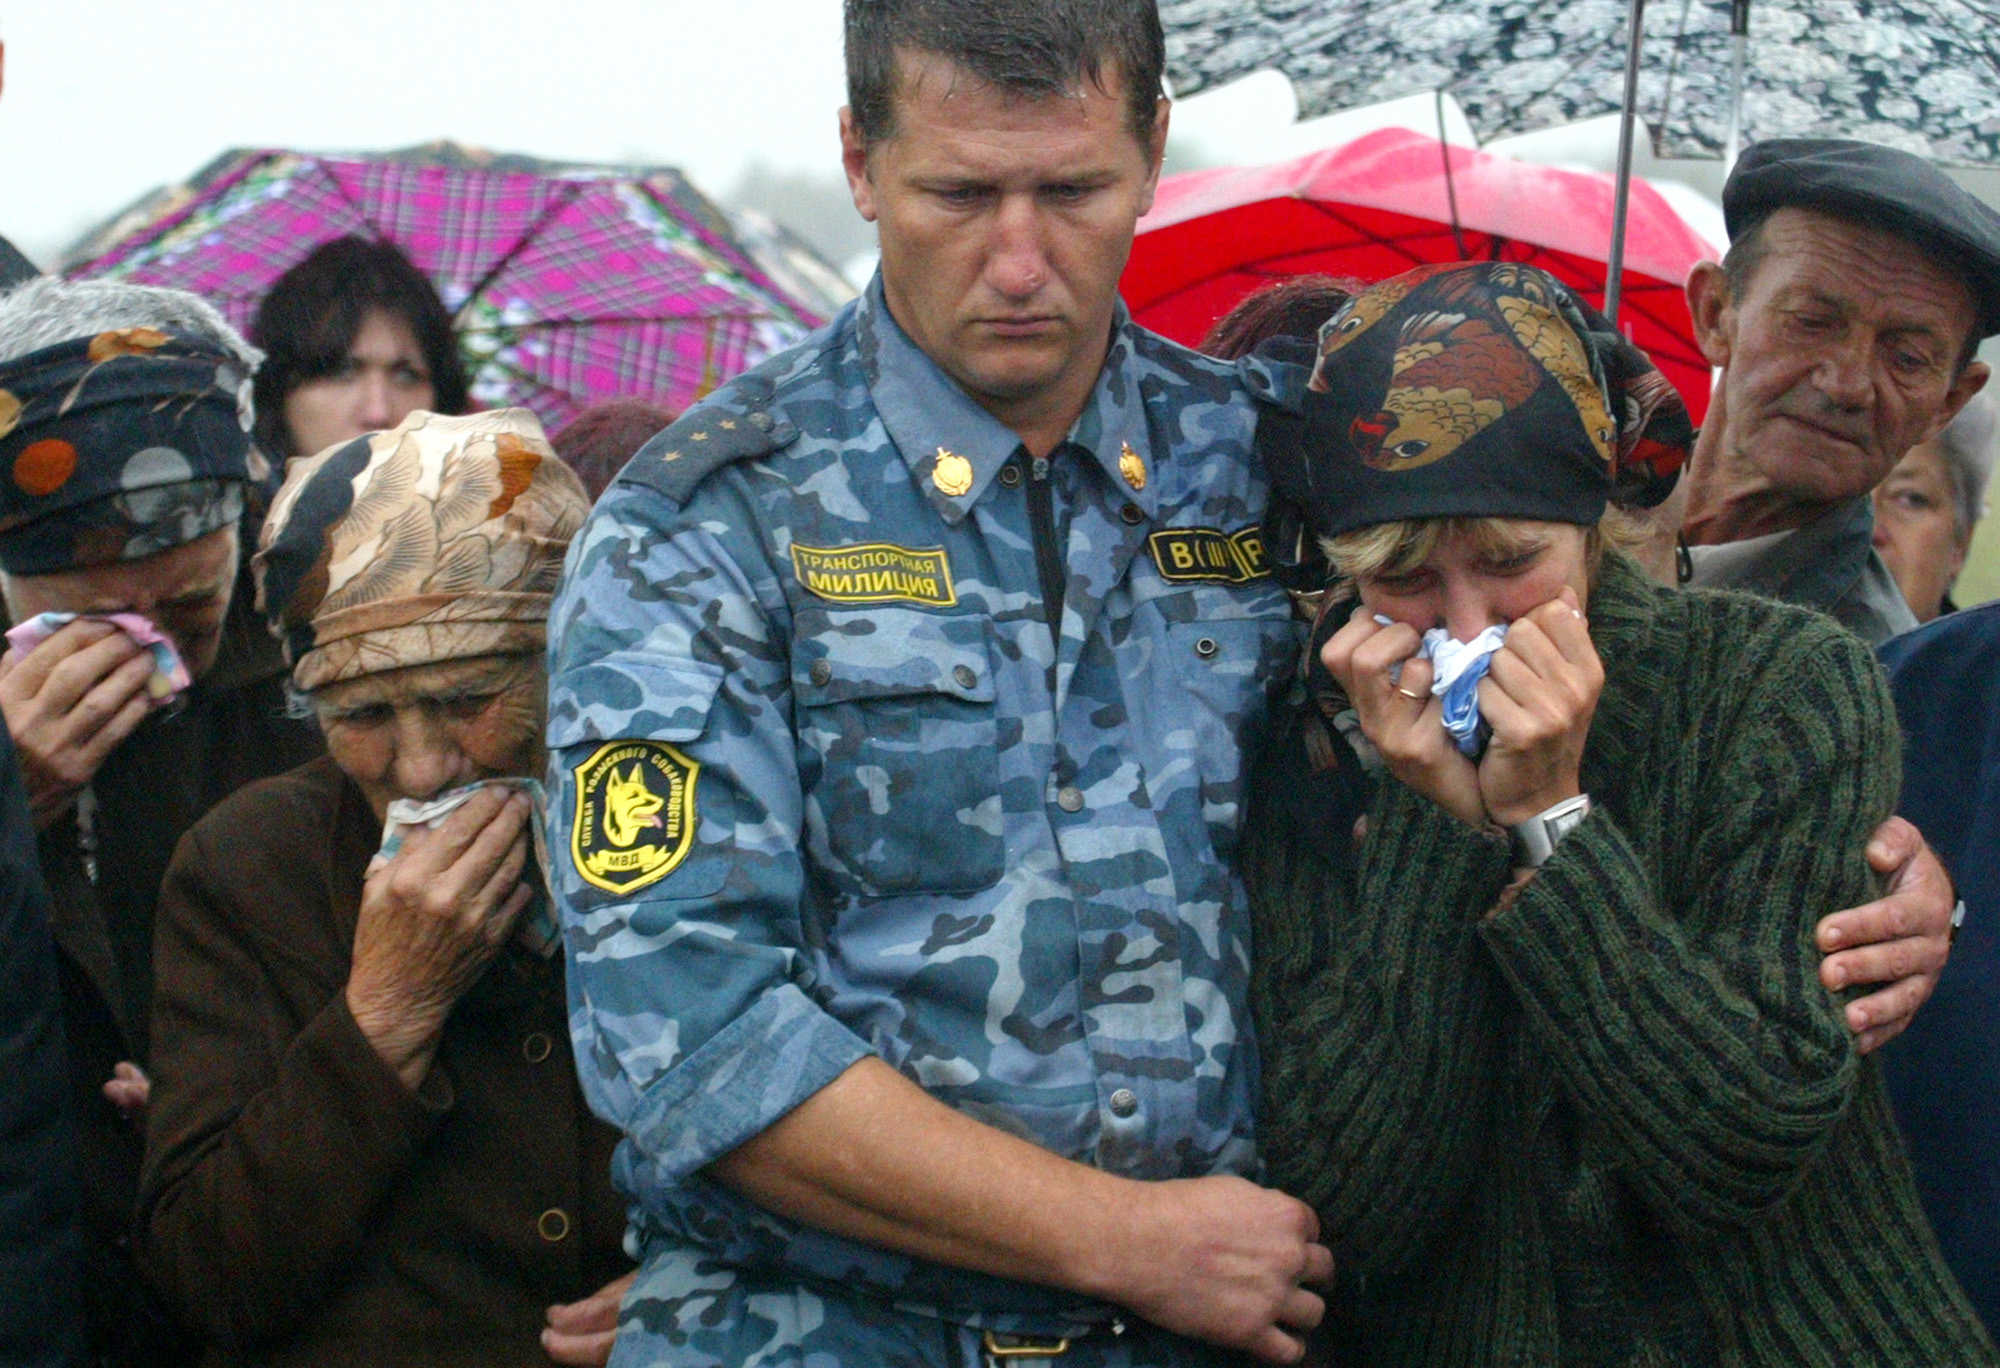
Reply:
x=1874, y=185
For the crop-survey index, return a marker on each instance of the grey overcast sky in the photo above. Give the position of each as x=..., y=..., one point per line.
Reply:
x=105, y=99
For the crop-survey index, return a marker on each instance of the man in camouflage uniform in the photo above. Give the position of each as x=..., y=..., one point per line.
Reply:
x=897, y=699
x=894, y=721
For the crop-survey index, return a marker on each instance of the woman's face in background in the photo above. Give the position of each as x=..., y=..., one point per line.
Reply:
x=382, y=378
x=1916, y=529
x=1467, y=586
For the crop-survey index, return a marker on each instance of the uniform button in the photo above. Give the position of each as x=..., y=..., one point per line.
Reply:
x=1131, y=515
x=761, y=421
x=822, y=672
x=1124, y=1102
x=1206, y=647
x=965, y=676
x=553, y=1225
x=535, y=1047
x=1010, y=475
x=1070, y=798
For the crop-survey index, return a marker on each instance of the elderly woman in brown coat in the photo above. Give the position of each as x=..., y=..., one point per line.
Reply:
x=366, y=1142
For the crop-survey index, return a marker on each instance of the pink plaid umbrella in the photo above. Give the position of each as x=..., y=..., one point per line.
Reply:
x=568, y=284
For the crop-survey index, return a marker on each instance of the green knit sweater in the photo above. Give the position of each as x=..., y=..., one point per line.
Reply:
x=1620, y=1122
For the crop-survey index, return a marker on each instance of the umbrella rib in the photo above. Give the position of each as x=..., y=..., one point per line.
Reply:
x=1674, y=63
x=558, y=203
x=1389, y=244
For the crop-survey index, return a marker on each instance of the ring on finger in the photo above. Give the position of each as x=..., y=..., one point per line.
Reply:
x=1413, y=697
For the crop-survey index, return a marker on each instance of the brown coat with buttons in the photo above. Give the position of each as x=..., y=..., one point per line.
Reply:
x=299, y=1205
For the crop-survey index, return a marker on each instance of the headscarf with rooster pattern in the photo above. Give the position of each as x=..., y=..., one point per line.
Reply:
x=1481, y=390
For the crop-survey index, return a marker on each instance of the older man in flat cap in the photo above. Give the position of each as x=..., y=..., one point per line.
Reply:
x=1844, y=319
x=127, y=472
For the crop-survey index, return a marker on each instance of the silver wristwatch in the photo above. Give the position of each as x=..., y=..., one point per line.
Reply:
x=1535, y=840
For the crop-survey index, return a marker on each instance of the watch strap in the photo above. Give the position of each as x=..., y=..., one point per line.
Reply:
x=1534, y=840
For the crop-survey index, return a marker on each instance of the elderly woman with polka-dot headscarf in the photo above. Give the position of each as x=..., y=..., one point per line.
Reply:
x=129, y=487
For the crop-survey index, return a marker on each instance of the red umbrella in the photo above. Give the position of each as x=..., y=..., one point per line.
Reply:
x=1383, y=204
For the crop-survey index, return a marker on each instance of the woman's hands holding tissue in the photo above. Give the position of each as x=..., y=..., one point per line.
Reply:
x=1389, y=682
x=1538, y=696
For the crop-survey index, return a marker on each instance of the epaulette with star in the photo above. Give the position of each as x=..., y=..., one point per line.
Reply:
x=734, y=425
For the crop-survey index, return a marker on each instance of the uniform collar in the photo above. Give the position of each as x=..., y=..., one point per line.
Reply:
x=926, y=413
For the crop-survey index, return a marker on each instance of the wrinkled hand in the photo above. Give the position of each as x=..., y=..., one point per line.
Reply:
x=431, y=919
x=68, y=703
x=1223, y=1260
x=1901, y=940
x=129, y=1090
x=1539, y=695
x=1409, y=732
x=581, y=1332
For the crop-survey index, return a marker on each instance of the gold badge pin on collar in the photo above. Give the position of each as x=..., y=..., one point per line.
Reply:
x=1132, y=466
x=952, y=474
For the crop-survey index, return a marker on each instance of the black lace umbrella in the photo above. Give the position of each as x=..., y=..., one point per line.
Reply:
x=1922, y=75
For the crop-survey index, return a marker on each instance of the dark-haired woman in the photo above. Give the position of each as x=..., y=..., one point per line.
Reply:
x=1546, y=1048
x=355, y=338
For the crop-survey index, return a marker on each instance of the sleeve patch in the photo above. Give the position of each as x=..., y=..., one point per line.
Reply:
x=635, y=816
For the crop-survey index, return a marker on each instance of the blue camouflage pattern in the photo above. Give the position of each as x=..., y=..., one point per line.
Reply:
x=925, y=830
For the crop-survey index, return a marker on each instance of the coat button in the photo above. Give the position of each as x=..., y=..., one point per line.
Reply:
x=536, y=1046
x=966, y=676
x=553, y=1225
x=1131, y=515
x=1010, y=475
x=1206, y=647
x=761, y=421
x=822, y=673
x=1124, y=1102
x=1070, y=798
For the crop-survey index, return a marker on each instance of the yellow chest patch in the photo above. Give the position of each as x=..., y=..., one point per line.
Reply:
x=876, y=572
x=1193, y=554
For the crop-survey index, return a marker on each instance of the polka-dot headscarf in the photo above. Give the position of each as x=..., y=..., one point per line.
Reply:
x=121, y=445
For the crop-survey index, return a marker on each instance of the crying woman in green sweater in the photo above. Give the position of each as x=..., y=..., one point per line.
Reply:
x=1536, y=866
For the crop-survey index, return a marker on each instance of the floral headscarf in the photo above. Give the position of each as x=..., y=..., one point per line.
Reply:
x=440, y=539
x=122, y=445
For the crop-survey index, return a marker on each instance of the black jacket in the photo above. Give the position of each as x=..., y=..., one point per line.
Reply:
x=41, y=1259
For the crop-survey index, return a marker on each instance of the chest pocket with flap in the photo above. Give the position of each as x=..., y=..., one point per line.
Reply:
x=896, y=714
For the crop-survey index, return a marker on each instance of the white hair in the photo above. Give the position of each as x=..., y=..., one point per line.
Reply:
x=1967, y=445
x=48, y=310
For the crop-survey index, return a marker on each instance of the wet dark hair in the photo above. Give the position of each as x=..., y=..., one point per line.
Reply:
x=1029, y=48
x=598, y=442
x=308, y=322
x=1293, y=307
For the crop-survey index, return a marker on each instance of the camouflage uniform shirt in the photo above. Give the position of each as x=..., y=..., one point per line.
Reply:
x=825, y=784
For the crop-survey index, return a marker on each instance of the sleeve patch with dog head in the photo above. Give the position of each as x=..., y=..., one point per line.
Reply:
x=634, y=819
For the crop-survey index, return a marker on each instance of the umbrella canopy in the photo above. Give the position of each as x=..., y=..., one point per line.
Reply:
x=1923, y=75
x=568, y=284
x=1383, y=204
x=14, y=268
